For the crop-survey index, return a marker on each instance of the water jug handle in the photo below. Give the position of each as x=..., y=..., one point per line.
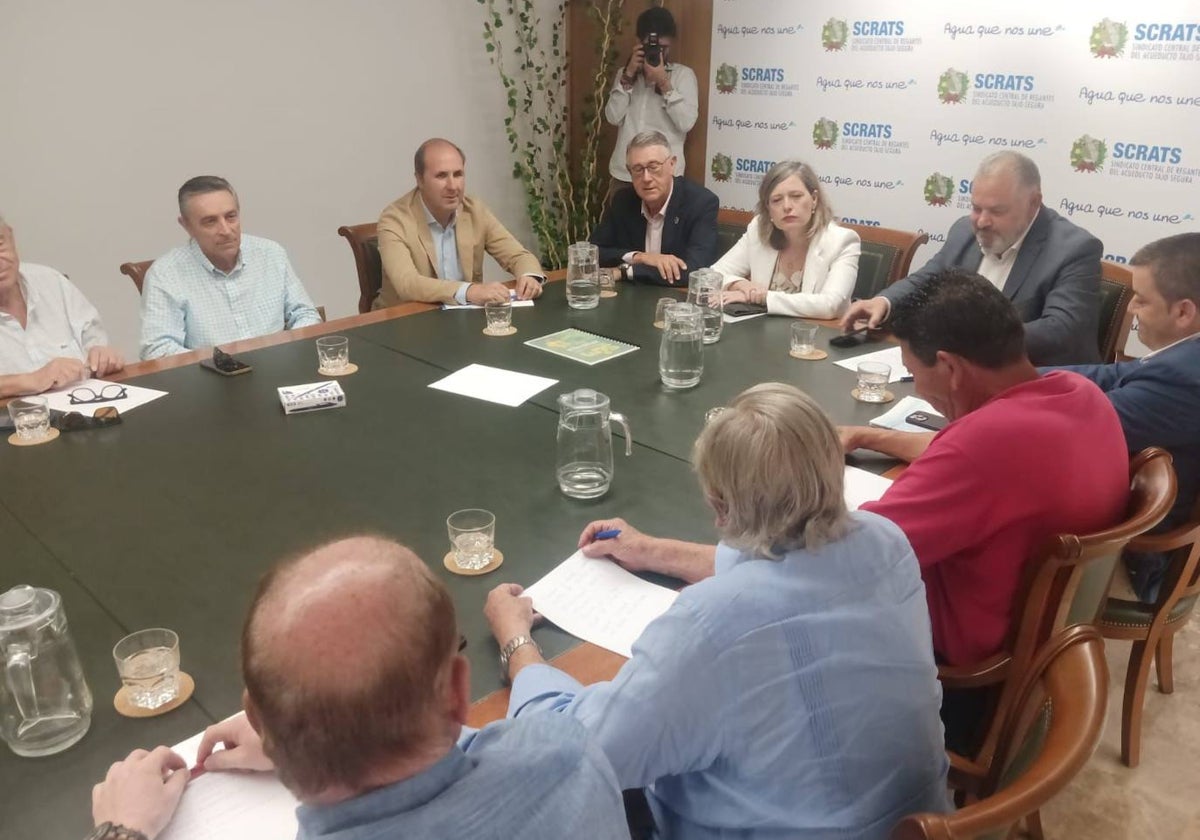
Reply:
x=19, y=676
x=617, y=417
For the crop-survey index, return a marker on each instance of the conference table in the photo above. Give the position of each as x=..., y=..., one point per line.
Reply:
x=170, y=518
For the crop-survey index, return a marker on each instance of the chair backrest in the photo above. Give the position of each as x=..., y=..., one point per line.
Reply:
x=731, y=224
x=1066, y=581
x=896, y=249
x=1116, y=291
x=1050, y=732
x=364, y=243
x=136, y=271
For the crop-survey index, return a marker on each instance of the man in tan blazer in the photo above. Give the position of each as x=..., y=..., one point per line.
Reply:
x=432, y=240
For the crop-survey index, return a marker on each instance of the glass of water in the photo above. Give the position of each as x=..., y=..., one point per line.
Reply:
x=583, y=276
x=681, y=354
x=499, y=317
x=872, y=382
x=148, y=662
x=333, y=354
x=472, y=537
x=804, y=338
x=704, y=290
x=31, y=417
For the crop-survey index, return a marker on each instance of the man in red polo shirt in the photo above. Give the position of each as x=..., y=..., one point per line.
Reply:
x=1023, y=457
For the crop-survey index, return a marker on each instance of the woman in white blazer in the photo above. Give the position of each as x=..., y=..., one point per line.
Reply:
x=793, y=256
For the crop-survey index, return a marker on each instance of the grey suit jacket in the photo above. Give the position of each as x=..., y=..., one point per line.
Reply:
x=1054, y=284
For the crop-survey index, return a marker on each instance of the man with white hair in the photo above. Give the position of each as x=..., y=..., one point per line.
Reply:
x=50, y=335
x=1046, y=265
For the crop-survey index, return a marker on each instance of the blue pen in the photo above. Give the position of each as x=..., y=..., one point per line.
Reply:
x=607, y=534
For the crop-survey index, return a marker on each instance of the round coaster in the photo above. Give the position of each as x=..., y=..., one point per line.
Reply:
x=49, y=436
x=186, y=686
x=497, y=559
x=888, y=396
x=346, y=371
x=501, y=333
x=607, y=293
x=814, y=355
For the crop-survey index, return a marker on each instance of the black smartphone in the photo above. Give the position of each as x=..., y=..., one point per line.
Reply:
x=224, y=364
x=653, y=50
x=932, y=422
x=850, y=339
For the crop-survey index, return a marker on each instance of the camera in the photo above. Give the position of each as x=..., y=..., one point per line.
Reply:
x=653, y=50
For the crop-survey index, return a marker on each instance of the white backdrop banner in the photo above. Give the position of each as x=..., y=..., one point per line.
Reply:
x=895, y=109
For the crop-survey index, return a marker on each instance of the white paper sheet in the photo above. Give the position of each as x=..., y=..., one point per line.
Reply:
x=511, y=296
x=231, y=806
x=497, y=385
x=599, y=602
x=135, y=396
x=889, y=356
x=893, y=418
x=861, y=487
x=733, y=319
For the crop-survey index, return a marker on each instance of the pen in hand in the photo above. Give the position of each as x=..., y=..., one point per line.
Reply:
x=606, y=534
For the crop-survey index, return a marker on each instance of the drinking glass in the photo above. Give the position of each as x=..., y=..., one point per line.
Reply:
x=872, y=381
x=803, y=339
x=681, y=353
x=660, y=311
x=608, y=282
x=704, y=290
x=583, y=276
x=148, y=662
x=333, y=354
x=472, y=537
x=499, y=317
x=31, y=416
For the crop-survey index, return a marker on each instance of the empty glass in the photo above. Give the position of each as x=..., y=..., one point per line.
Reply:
x=31, y=416
x=681, y=354
x=148, y=662
x=872, y=382
x=660, y=311
x=608, y=282
x=472, y=537
x=499, y=317
x=704, y=290
x=803, y=339
x=583, y=276
x=333, y=354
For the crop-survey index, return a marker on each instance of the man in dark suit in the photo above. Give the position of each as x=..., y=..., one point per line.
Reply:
x=1157, y=397
x=661, y=228
x=1047, y=266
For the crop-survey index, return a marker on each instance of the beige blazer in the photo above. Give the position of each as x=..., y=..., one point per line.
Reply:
x=410, y=261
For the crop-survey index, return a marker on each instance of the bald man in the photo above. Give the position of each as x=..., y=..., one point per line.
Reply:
x=432, y=240
x=356, y=696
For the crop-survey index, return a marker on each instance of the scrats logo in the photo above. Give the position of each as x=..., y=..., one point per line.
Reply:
x=1108, y=39
x=722, y=167
x=824, y=133
x=727, y=78
x=953, y=86
x=939, y=189
x=834, y=35
x=1088, y=154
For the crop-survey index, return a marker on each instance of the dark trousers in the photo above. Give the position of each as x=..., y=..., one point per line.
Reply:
x=638, y=814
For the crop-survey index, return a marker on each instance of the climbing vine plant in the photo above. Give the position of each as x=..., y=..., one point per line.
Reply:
x=564, y=192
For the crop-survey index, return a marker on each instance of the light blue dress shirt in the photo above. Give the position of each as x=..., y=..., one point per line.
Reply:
x=187, y=302
x=535, y=779
x=59, y=322
x=445, y=245
x=795, y=698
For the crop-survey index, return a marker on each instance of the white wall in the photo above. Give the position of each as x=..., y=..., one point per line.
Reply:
x=311, y=109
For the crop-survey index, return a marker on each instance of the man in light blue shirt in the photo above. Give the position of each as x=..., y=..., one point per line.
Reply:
x=356, y=696
x=221, y=286
x=790, y=691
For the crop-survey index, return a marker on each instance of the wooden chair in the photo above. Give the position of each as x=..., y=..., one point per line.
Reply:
x=136, y=271
x=364, y=243
x=887, y=256
x=1052, y=730
x=1066, y=582
x=1116, y=291
x=1152, y=627
x=731, y=224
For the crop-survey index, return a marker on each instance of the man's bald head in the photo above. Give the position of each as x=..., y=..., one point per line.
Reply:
x=346, y=657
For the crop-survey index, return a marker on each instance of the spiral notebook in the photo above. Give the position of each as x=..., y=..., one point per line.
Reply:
x=586, y=347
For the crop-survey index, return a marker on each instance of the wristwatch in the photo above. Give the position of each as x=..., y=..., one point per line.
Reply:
x=112, y=831
x=509, y=649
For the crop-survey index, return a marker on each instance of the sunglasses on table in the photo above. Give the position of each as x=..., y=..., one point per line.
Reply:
x=86, y=396
x=73, y=421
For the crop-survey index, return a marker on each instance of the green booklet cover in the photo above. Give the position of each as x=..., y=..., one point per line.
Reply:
x=582, y=346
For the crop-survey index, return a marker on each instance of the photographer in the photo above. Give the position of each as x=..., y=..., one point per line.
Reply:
x=651, y=93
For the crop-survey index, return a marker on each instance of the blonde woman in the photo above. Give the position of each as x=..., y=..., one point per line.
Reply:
x=790, y=691
x=793, y=256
